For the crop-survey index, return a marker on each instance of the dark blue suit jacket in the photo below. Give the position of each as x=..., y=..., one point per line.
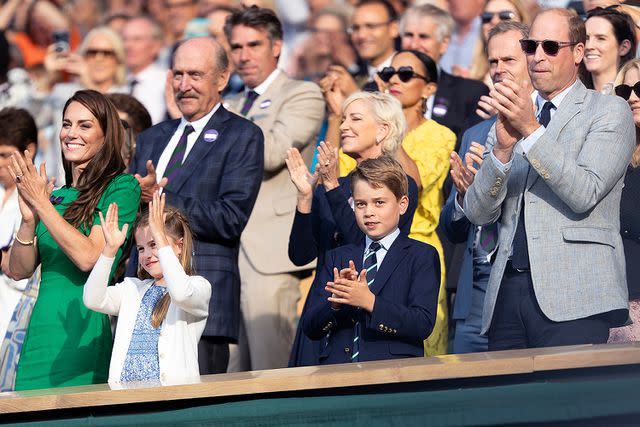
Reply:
x=216, y=187
x=462, y=231
x=406, y=288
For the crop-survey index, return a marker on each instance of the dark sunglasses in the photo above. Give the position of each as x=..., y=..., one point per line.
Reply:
x=404, y=74
x=550, y=47
x=505, y=15
x=624, y=91
x=95, y=52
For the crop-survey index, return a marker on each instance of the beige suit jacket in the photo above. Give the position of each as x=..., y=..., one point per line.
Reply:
x=290, y=113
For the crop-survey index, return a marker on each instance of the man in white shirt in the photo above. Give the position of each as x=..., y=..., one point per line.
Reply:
x=142, y=38
x=290, y=113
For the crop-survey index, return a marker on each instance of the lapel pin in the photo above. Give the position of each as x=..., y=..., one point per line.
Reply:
x=211, y=135
x=266, y=103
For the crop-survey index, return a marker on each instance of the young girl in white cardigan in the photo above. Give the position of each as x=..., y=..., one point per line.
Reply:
x=162, y=315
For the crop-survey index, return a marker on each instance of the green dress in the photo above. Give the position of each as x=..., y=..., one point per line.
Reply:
x=67, y=344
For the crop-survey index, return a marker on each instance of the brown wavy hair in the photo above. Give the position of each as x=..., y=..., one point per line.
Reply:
x=103, y=167
x=177, y=227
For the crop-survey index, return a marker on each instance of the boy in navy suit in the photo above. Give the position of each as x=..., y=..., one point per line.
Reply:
x=389, y=308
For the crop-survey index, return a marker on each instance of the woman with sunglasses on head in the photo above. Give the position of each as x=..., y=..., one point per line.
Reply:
x=412, y=78
x=628, y=87
x=611, y=42
x=494, y=11
x=65, y=343
x=98, y=64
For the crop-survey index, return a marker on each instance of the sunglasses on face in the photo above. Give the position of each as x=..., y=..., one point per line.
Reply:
x=404, y=74
x=92, y=53
x=550, y=47
x=624, y=91
x=504, y=15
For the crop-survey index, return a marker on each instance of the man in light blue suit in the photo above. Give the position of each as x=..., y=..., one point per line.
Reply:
x=507, y=61
x=553, y=177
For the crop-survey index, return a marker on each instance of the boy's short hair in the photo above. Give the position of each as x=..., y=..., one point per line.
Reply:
x=380, y=172
x=17, y=128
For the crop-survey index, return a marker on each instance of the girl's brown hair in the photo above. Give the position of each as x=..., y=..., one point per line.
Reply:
x=177, y=227
x=103, y=167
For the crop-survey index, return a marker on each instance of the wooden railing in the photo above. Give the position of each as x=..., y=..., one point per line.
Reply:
x=335, y=376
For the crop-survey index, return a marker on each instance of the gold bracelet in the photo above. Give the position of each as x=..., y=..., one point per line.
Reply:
x=22, y=242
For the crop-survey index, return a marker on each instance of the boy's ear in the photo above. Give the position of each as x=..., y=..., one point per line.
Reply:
x=404, y=204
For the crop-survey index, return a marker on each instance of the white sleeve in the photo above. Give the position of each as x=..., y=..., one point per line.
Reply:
x=190, y=293
x=97, y=296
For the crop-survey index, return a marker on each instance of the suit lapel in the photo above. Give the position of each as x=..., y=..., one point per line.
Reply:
x=571, y=105
x=201, y=148
x=392, y=259
x=167, y=130
x=261, y=101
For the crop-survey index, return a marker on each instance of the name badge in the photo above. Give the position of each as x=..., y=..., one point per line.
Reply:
x=266, y=103
x=211, y=135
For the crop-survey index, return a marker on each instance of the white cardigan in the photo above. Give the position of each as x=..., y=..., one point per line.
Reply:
x=181, y=329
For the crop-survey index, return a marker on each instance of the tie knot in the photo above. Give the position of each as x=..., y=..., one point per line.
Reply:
x=252, y=95
x=374, y=247
x=548, y=106
x=545, y=113
x=188, y=129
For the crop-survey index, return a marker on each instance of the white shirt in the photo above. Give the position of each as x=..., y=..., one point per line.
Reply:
x=385, y=244
x=198, y=126
x=262, y=87
x=149, y=90
x=371, y=70
x=180, y=330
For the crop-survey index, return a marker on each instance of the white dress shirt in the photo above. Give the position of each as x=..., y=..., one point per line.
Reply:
x=180, y=330
x=149, y=90
x=385, y=244
x=198, y=127
x=262, y=87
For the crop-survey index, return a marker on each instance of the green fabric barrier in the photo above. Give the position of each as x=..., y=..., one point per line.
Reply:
x=521, y=403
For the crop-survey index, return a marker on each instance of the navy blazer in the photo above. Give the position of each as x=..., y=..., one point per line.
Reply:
x=406, y=289
x=462, y=231
x=216, y=187
x=458, y=98
x=332, y=223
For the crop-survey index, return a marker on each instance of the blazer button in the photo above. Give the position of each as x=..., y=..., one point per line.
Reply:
x=381, y=327
x=347, y=349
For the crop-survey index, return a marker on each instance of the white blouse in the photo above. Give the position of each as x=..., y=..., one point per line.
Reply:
x=181, y=329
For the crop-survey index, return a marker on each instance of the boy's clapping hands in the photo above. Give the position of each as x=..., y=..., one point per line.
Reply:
x=349, y=287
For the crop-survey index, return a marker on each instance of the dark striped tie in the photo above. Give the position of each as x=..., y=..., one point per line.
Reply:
x=175, y=162
x=248, y=102
x=371, y=265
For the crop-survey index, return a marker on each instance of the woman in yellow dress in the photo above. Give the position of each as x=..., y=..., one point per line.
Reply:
x=412, y=79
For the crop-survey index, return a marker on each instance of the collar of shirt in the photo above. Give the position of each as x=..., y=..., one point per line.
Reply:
x=371, y=70
x=262, y=87
x=198, y=126
x=556, y=100
x=385, y=244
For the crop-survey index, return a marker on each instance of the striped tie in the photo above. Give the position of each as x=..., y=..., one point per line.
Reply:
x=175, y=162
x=371, y=265
x=248, y=102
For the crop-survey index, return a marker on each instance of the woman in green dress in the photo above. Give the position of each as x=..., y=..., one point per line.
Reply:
x=66, y=344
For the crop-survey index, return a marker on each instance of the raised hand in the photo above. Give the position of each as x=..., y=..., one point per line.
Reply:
x=114, y=237
x=355, y=293
x=156, y=220
x=485, y=110
x=328, y=165
x=148, y=184
x=33, y=186
x=299, y=173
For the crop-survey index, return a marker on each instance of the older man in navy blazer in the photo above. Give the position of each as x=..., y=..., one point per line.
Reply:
x=209, y=163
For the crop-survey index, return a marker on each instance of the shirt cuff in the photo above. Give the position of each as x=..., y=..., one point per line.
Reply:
x=458, y=212
x=503, y=167
x=528, y=142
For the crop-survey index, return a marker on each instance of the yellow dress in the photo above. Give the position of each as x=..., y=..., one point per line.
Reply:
x=430, y=146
